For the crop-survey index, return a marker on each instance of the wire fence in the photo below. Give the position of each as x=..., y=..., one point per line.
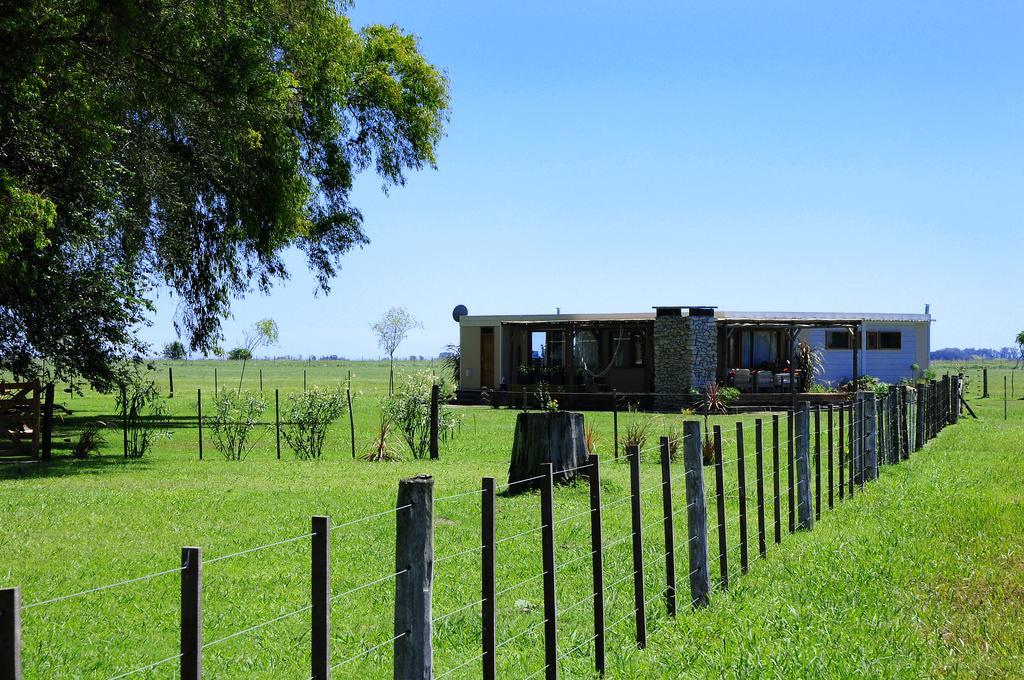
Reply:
x=793, y=462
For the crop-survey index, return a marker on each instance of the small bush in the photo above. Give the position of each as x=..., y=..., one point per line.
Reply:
x=408, y=409
x=235, y=417
x=91, y=440
x=307, y=416
x=638, y=428
x=141, y=410
x=381, y=449
x=591, y=438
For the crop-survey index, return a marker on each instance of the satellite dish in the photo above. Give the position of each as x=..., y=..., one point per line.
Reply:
x=459, y=312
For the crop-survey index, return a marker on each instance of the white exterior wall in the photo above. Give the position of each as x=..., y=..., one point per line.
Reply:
x=888, y=365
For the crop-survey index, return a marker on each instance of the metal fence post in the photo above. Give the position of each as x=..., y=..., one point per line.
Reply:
x=170, y=379
x=435, y=395
x=776, y=480
x=741, y=474
x=320, y=637
x=842, y=451
x=633, y=454
x=817, y=462
x=831, y=456
x=762, y=544
x=723, y=546
x=489, y=615
x=277, y=421
x=199, y=409
x=805, y=507
x=191, y=613
x=696, y=515
x=791, y=475
x=597, y=560
x=670, y=536
x=547, y=533
x=10, y=633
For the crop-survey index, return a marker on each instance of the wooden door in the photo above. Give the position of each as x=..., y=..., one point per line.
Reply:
x=487, y=357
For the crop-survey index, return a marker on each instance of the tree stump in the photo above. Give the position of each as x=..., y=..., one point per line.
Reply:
x=556, y=437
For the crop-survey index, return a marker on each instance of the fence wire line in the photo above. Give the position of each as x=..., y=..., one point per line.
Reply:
x=505, y=487
x=374, y=582
x=369, y=651
x=369, y=517
x=104, y=587
x=521, y=533
x=439, y=619
x=147, y=667
x=461, y=665
x=519, y=634
x=250, y=629
x=458, y=495
x=257, y=548
x=521, y=583
x=461, y=553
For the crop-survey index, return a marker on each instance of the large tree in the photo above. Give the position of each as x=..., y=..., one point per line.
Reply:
x=180, y=144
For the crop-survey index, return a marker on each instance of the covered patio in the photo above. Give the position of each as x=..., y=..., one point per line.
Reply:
x=760, y=355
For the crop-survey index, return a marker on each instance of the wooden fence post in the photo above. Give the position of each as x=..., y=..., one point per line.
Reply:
x=47, y=451
x=435, y=395
x=199, y=410
x=723, y=545
x=191, y=613
x=870, y=447
x=277, y=421
x=670, y=535
x=170, y=379
x=696, y=514
x=488, y=595
x=10, y=633
x=597, y=560
x=414, y=557
x=633, y=454
x=762, y=543
x=805, y=505
x=547, y=533
x=776, y=480
x=984, y=392
x=320, y=638
x=741, y=487
x=1005, y=402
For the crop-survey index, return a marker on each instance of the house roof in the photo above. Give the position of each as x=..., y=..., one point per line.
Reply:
x=818, y=318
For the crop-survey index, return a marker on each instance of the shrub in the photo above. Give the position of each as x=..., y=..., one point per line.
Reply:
x=408, y=409
x=235, y=416
x=381, y=449
x=90, y=440
x=544, y=399
x=307, y=416
x=867, y=383
x=142, y=412
x=239, y=354
x=591, y=437
x=174, y=350
x=638, y=427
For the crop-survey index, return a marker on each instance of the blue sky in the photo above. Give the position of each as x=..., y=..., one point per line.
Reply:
x=607, y=157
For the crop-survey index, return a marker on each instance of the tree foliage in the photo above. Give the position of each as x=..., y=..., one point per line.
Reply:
x=174, y=351
x=186, y=145
x=391, y=331
x=307, y=416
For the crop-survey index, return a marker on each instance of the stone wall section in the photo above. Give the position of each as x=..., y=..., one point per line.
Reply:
x=704, y=351
x=673, y=361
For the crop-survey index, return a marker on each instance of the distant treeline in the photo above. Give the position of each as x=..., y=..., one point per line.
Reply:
x=974, y=353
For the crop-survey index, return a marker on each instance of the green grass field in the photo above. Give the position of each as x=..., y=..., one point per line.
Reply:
x=916, y=576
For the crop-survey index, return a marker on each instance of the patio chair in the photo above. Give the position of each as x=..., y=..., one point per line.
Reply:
x=742, y=380
x=763, y=381
x=782, y=382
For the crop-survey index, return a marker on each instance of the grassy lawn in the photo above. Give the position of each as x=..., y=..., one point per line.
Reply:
x=916, y=576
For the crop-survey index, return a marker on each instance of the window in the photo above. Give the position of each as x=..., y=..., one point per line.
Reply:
x=892, y=340
x=585, y=351
x=629, y=349
x=839, y=339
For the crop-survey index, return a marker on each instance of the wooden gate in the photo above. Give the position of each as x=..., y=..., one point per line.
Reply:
x=20, y=419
